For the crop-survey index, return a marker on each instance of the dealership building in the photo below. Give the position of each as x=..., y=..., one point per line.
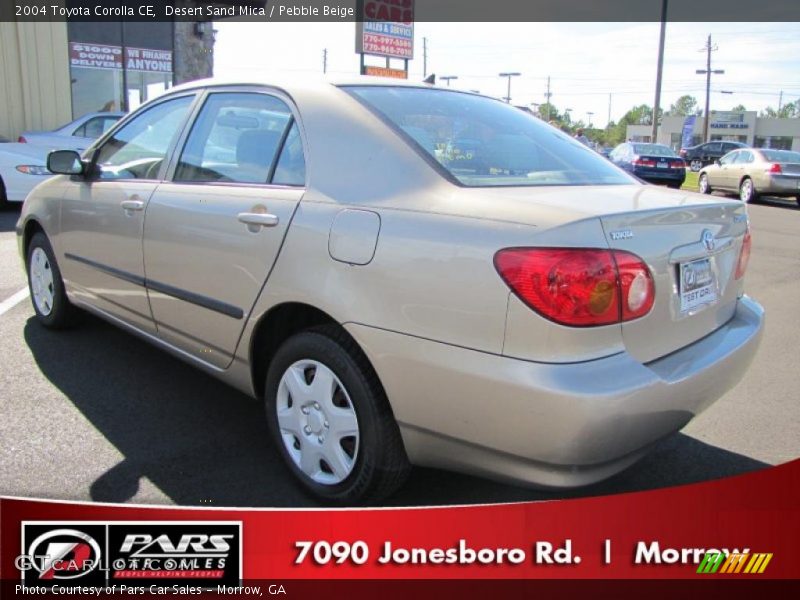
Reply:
x=746, y=127
x=53, y=72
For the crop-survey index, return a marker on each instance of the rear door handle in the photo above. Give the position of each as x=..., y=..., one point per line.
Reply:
x=260, y=219
x=132, y=204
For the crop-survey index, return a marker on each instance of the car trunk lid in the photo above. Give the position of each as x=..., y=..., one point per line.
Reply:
x=692, y=253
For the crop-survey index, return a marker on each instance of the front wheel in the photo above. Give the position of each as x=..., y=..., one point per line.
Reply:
x=329, y=416
x=747, y=192
x=696, y=164
x=49, y=299
x=703, y=183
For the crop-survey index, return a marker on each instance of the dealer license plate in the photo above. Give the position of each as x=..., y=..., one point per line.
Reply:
x=697, y=285
x=662, y=165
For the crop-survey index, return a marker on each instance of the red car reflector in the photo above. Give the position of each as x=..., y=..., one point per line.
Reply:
x=578, y=287
x=775, y=168
x=744, y=255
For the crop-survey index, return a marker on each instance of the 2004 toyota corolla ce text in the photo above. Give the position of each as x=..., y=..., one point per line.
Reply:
x=404, y=274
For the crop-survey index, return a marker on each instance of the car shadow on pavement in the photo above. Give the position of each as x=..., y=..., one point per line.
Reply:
x=203, y=443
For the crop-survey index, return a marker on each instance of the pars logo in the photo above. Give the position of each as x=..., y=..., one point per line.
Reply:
x=149, y=552
x=52, y=554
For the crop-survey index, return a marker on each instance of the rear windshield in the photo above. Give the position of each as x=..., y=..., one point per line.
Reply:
x=484, y=142
x=781, y=156
x=653, y=150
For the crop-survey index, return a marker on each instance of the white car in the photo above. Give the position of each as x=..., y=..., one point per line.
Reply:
x=76, y=135
x=22, y=167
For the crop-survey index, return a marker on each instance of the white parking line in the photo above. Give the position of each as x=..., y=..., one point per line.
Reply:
x=9, y=303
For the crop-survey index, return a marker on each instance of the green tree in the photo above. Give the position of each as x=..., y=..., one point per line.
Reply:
x=739, y=108
x=790, y=110
x=683, y=107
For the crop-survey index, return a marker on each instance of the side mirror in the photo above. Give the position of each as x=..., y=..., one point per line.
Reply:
x=65, y=162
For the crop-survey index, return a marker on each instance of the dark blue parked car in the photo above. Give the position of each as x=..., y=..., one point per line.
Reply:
x=654, y=163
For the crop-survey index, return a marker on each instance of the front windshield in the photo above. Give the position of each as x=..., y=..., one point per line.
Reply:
x=484, y=142
x=653, y=150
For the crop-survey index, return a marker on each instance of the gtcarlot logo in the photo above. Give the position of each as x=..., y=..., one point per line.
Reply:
x=139, y=553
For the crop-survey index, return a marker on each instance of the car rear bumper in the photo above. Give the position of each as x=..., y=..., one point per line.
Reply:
x=782, y=185
x=556, y=425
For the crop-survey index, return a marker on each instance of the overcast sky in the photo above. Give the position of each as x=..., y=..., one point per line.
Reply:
x=586, y=61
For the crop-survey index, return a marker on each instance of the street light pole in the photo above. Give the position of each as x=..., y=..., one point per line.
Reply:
x=448, y=78
x=707, y=72
x=509, y=76
x=589, y=119
x=657, y=103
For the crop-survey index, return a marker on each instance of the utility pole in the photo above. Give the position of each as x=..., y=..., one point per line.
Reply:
x=509, y=76
x=325, y=60
x=707, y=72
x=780, y=103
x=547, y=95
x=424, y=57
x=660, y=69
x=609, y=110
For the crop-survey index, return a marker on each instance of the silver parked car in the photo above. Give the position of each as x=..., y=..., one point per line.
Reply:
x=403, y=274
x=76, y=135
x=754, y=172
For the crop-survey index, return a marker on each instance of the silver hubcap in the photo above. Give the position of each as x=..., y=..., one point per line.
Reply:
x=317, y=422
x=746, y=191
x=696, y=165
x=41, y=275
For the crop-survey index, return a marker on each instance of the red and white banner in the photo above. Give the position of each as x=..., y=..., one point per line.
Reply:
x=743, y=528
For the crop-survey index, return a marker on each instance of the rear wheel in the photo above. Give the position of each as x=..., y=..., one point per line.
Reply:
x=329, y=417
x=703, y=183
x=50, y=302
x=747, y=192
x=4, y=204
x=696, y=164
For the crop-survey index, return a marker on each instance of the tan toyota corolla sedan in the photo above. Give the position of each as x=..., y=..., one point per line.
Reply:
x=404, y=275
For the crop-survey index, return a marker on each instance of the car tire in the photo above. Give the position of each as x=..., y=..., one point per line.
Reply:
x=4, y=203
x=695, y=164
x=747, y=191
x=48, y=296
x=702, y=183
x=339, y=437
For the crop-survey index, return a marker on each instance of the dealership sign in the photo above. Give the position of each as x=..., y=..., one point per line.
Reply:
x=95, y=56
x=384, y=72
x=145, y=59
x=386, y=28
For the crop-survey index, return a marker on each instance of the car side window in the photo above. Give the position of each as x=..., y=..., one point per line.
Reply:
x=744, y=157
x=139, y=148
x=235, y=139
x=715, y=147
x=729, y=158
x=95, y=127
x=291, y=167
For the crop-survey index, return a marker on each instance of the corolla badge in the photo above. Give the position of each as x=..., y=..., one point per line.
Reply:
x=708, y=240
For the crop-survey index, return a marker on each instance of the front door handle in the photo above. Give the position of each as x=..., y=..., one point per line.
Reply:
x=132, y=204
x=258, y=219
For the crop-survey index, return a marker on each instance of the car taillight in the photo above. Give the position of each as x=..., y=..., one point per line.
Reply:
x=678, y=164
x=644, y=162
x=775, y=168
x=578, y=287
x=744, y=255
x=21, y=139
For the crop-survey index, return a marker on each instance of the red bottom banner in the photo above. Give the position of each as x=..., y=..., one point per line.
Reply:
x=733, y=536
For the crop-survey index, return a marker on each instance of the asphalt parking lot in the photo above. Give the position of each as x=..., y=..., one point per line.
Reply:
x=96, y=414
